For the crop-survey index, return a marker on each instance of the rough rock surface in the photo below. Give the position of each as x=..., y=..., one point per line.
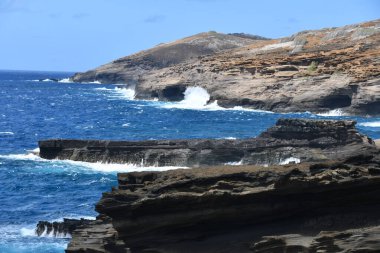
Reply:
x=230, y=208
x=353, y=241
x=317, y=71
x=306, y=140
x=60, y=229
x=128, y=70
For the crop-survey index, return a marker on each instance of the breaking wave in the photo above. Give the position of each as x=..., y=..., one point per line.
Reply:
x=118, y=92
x=197, y=98
x=65, y=80
x=97, y=167
x=333, y=113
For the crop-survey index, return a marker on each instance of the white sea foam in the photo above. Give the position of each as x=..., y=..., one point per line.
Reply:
x=127, y=93
x=65, y=80
x=6, y=133
x=28, y=232
x=370, y=124
x=94, y=82
x=46, y=80
x=99, y=167
x=290, y=160
x=197, y=98
x=117, y=92
x=126, y=125
x=333, y=113
x=235, y=163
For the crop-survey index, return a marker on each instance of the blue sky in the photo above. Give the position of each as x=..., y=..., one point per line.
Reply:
x=76, y=35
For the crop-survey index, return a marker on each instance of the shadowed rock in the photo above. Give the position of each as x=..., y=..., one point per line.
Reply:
x=225, y=209
x=60, y=229
x=306, y=140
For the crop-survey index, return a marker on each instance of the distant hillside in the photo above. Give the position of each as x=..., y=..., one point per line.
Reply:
x=129, y=69
x=317, y=71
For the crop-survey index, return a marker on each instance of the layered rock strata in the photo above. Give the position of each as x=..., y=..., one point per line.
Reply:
x=299, y=139
x=317, y=71
x=59, y=229
x=353, y=240
x=230, y=208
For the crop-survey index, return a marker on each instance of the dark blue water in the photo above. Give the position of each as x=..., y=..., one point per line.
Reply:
x=33, y=189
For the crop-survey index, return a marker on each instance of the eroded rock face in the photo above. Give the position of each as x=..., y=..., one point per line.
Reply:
x=225, y=209
x=60, y=229
x=128, y=70
x=306, y=140
x=314, y=71
x=355, y=241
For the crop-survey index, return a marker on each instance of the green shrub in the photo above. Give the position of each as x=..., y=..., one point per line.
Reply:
x=313, y=66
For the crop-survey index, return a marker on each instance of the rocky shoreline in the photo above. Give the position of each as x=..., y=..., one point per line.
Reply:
x=247, y=208
x=316, y=71
x=298, y=140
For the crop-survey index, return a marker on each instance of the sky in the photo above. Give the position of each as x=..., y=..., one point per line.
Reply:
x=77, y=35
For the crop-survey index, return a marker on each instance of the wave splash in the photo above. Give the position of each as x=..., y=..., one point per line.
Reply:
x=119, y=92
x=96, y=167
x=333, y=113
x=195, y=98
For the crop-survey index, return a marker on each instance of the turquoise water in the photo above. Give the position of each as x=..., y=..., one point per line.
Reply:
x=34, y=189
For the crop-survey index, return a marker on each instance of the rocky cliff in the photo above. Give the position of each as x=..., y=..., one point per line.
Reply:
x=130, y=69
x=229, y=209
x=247, y=208
x=289, y=140
x=313, y=71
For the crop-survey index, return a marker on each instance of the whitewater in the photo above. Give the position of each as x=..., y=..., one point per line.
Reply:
x=35, y=108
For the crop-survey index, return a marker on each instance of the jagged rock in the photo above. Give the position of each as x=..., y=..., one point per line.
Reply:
x=314, y=71
x=353, y=241
x=97, y=236
x=306, y=140
x=224, y=209
x=60, y=229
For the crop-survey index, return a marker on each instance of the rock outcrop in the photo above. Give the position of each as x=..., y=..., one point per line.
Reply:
x=301, y=139
x=316, y=71
x=58, y=228
x=353, y=241
x=230, y=208
x=129, y=70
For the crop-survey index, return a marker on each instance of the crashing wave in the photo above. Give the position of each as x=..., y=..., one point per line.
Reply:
x=196, y=98
x=119, y=92
x=333, y=113
x=65, y=80
x=98, y=167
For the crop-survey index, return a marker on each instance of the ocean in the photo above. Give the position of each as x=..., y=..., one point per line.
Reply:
x=33, y=107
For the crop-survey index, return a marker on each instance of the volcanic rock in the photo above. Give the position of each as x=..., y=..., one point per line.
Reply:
x=316, y=71
x=230, y=208
x=60, y=229
x=289, y=139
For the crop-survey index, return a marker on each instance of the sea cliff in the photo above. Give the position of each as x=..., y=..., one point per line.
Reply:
x=314, y=70
x=246, y=208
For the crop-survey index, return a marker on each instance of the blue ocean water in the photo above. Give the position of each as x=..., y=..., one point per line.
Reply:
x=34, y=189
